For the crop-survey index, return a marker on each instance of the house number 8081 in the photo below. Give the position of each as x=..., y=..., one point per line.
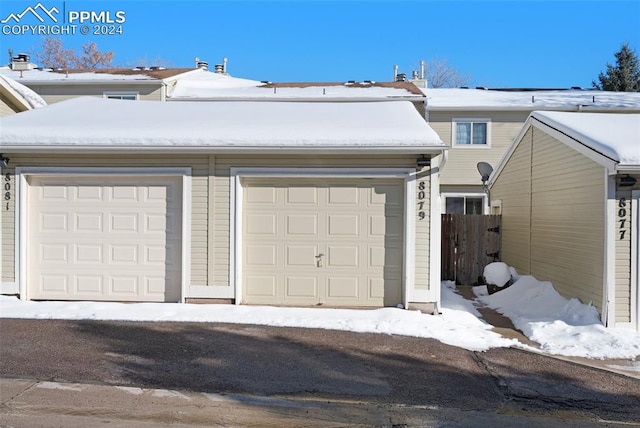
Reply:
x=7, y=188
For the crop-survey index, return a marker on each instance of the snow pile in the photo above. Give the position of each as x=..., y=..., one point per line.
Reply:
x=497, y=274
x=208, y=84
x=458, y=325
x=561, y=326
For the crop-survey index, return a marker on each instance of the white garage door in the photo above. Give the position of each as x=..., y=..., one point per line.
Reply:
x=104, y=238
x=331, y=242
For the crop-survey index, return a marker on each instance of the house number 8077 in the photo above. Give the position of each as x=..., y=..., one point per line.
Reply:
x=622, y=213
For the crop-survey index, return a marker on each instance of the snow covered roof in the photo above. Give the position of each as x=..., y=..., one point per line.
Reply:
x=197, y=88
x=89, y=123
x=616, y=136
x=44, y=76
x=20, y=93
x=529, y=100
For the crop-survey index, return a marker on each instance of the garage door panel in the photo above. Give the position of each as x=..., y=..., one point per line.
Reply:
x=54, y=284
x=344, y=195
x=344, y=220
x=260, y=286
x=89, y=285
x=260, y=195
x=90, y=193
x=54, y=192
x=54, y=221
x=302, y=286
x=261, y=224
x=111, y=238
x=301, y=256
x=88, y=253
x=123, y=285
x=343, y=225
x=53, y=253
x=302, y=195
x=88, y=222
x=343, y=256
x=343, y=287
x=261, y=255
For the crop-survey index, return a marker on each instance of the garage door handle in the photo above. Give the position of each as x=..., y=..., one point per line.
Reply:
x=319, y=260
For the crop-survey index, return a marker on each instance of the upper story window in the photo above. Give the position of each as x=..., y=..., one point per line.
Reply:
x=121, y=95
x=471, y=132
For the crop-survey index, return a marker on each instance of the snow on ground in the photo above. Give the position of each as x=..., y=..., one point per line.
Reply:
x=561, y=326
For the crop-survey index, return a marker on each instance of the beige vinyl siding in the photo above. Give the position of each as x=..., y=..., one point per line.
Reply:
x=220, y=253
x=211, y=211
x=7, y=214
x=56, y=93
x=567, y=220
x=5, y=108
x=461, y=163
x=513, y=189
x=623, y=253
x=199, y=205
x=566, y=192
x=423, y=233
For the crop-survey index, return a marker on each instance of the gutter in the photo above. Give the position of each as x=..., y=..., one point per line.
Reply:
x=582, y=108
x=167, y=149
x=302, y=99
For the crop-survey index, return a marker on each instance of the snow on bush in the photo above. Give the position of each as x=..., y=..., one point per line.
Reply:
x=497, y=273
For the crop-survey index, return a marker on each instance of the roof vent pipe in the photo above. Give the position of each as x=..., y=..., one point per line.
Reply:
x=224, y=65
x=395, y=72
x=422, y=69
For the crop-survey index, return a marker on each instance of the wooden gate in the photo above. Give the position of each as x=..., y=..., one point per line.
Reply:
x=469, y=243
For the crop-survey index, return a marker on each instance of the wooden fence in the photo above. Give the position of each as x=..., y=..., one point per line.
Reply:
x=469, y=243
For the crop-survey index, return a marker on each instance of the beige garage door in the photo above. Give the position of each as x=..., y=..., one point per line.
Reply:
x=104, y=238
x=331, y=242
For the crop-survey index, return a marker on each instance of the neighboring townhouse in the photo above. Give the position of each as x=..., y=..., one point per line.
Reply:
x=140, y=83
x=256, y=202
x=480, y=125
x=15, y=97
x=569, y=193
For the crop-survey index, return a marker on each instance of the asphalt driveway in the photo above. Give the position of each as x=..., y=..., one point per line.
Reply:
x=310, y=363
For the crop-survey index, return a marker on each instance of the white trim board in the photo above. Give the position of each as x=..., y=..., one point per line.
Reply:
x=635, y=259
x=22, y=173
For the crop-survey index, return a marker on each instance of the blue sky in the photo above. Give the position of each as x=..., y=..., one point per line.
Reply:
x=496, y=43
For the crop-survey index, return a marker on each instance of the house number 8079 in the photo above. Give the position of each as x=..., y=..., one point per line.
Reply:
x=421, y=197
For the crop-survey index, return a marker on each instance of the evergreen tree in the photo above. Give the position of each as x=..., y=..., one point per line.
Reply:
x=624, y=76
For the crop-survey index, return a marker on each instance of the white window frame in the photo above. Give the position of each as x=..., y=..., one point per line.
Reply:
x=471, y=120
x=116, y=94
x=485, y=201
